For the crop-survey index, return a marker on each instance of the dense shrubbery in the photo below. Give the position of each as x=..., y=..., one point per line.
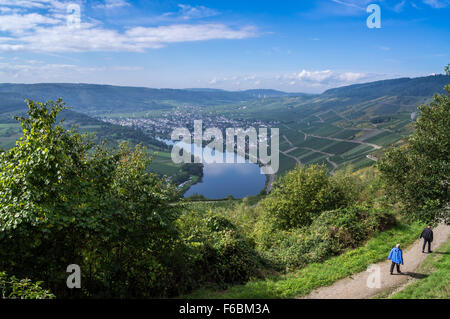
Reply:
x=330, y=230
x=303, y=193
x=217, y=251
x=13, y=288
x=64, y=202
x=330, y=234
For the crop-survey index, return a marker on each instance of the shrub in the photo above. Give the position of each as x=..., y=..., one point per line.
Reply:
x=13, y=288
x=330, y=234
x=303, y=194
x=216, y=251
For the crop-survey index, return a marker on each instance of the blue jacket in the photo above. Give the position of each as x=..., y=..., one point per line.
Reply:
x=396, y=255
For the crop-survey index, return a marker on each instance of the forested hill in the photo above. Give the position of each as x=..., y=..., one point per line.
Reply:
x=380, y=98
x=422, y=86
x=102, y=99
x=13, y=104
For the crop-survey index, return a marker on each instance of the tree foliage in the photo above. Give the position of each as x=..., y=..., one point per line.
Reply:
x=64, y=201
x=303, y=193
x=418, y=175
x=13, y=288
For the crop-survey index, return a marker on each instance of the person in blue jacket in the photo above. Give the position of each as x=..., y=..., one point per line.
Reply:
x=396, y=255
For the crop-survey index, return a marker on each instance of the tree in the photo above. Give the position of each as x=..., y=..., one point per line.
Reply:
x=417, y=175
x=64, y=201
x=303, y=194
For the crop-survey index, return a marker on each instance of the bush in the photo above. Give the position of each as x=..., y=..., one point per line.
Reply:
x=13, y=288
x=216, y=252
x=304, y=193
x=330, y=234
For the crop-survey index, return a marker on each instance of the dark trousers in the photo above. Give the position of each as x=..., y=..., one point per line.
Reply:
x=425, y=241
x=392, y=267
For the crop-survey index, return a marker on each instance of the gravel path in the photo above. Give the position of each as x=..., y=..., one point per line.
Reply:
x=357, y=286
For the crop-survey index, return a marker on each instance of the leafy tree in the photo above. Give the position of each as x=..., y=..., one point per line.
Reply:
x=63, y=202
x=417, y=175
x=217, y=251
x=302, y=194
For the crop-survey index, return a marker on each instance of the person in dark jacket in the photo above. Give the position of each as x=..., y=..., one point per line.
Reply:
x=396, y=255
x=427, y=236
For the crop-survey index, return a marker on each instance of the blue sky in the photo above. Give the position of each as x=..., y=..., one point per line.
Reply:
x=296, y=46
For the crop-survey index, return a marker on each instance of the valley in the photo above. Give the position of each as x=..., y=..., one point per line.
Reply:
x=343, y=126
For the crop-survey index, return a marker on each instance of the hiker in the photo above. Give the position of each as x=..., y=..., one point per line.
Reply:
x=396, y=255
x=427, y=236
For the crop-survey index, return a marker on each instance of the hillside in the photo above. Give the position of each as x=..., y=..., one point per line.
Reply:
x=105, y=99
x=11, y=105
x=345, y=125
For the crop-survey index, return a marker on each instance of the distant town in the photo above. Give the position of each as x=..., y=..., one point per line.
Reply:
x=184, y=116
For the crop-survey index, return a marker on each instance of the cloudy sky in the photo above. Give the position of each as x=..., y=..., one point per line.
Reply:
x=295, y=46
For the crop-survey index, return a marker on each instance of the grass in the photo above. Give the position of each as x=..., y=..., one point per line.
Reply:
x=302, y=282
x=437, y=284
x=213, y=205
x=162, y=164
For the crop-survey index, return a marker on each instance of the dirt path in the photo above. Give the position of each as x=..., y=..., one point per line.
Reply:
x=356, y=286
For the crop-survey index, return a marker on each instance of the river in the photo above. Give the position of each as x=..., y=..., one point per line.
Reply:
x=221, y=180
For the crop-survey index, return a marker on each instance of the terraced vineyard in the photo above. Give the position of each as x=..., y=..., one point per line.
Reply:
x=329, y=138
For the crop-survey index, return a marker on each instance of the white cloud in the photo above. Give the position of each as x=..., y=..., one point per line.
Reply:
x=32, y=71
x=89, y=37
x=187, y=33
x=349, y=3
x=189, y=12
x=351, y=76
x=38, y=4
x=112, y=4
x=437, y=4
x=50, y=32
x=399, y=7
x=323, y=77
x=17, y=23
x=303, y=81
x=314, y=76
